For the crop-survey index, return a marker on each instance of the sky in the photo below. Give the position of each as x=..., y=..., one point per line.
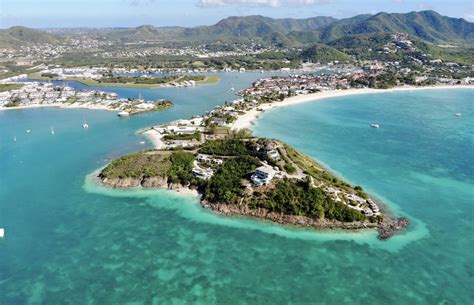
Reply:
x=130, y=13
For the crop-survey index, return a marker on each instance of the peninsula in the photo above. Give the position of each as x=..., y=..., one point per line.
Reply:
x=35, y=94
x=237, y=174
x=102, y=77
x=256, y=177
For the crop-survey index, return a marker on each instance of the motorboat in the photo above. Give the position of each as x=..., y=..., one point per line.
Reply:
x=375, y=125
x=458, y=114
x=52, y=130
x=123, y=114
x=2, y=233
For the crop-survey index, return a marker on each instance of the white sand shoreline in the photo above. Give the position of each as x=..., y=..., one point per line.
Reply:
x=247, y=119
x=155, y=138
x=62, y=106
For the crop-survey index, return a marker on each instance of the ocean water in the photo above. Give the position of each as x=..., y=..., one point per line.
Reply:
x=69, y=241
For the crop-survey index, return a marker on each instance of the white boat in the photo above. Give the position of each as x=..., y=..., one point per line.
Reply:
x=123, y=114
x=142, y=142
x=85, y=125
x=52, y=130
x=2, y=233
x=14, y=139
x=375, y=125
x=28, y=131
x=458, y=114
x=232, y=89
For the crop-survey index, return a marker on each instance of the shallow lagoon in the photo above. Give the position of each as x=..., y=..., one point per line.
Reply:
x=71, y=242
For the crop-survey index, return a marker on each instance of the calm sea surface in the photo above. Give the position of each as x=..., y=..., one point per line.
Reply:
x=70, y=242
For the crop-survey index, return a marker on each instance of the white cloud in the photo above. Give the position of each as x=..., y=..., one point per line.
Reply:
x=425, y=6
x=269, y=3
x=139, y=2
x=214, y=3
x=469, y=17
x=309, y=2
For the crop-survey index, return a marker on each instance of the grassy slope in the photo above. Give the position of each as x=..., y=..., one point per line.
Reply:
x=8, y=87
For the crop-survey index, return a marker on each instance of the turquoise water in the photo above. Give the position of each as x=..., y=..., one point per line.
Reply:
x=71, y=242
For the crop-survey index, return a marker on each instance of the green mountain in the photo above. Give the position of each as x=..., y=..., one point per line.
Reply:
x=323, y=54
x=257, y=28
x=426, y=25
x=19, y=35
x=396, y=47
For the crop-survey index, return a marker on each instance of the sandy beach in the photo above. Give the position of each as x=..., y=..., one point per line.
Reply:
x=63, y=106
x=155, y=138
x=247, y=119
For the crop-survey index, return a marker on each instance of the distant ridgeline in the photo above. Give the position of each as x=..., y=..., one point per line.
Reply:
x=327, y=38
x=254, y=177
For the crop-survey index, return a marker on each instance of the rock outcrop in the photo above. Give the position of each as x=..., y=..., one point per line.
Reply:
x=300, y=221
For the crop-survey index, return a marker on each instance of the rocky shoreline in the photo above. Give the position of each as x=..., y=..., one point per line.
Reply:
x=387, y=228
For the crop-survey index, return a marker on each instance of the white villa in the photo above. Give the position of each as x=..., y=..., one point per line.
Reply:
x=263, y=175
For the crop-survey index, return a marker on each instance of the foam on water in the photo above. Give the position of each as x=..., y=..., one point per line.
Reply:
x=189, y=207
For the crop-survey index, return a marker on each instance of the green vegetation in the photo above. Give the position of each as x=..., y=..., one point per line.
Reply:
x=297, y=197
x=226, y=185
x=181, y=166
x=383, y=81
x=314, y=170
x=225, y=148
x=19, y=35
x=137, y=165
x=371, y=47
x=8, y=87
x=176, y=166
x=137, y=80
x=15, y=102
x=183, y=137
x=209, y=80
x=324, y=54
x=132, y=81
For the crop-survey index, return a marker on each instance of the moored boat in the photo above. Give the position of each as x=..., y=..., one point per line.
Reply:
x=375, y=125
x=123, y=114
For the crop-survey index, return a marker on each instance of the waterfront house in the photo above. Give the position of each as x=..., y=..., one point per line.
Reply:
x=263, y=175
x=202, y=173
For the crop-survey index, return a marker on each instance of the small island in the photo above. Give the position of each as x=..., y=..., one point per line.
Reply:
x=254, y=177
x=98, y=77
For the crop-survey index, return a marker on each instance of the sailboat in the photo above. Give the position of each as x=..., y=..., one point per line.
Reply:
x=84, y=124
x=52, y=130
